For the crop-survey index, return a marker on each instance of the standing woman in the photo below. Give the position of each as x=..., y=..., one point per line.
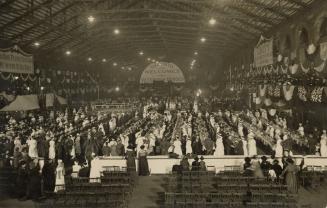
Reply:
x=197, y=146
x=245, y=147
x=143, y=162
x=279, y=148
x=188, y=147
x=290, y=173
x=52, y=149
x=60, y=177
x=34, y=181
x=32, y=147
x=130, y=159
x=323, y=144
x=252, y=146
x=220, y=150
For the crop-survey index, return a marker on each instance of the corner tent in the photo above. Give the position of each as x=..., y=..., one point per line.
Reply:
x=23, y=103
x=162, y=71
x=61, y=100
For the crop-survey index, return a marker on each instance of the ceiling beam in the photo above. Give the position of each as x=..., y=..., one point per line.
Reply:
x=271, y=9
x=26, y=14
x=298, y=3
x=53, y=41
x=232, y=23
x=6, y=5
x=71, y=32
x=81, y=34
x=169, y=12
x=43, y=21
x=153, y=18
x=52, y=29
x=251, y=15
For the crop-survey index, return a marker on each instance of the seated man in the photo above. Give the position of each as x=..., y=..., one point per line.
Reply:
x=203, y=166
x=277, y=169
x=185, y=164
x=248, y=171
x=265, y=165
x=196, y=164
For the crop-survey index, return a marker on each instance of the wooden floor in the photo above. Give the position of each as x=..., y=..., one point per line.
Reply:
x=315, y=198
x=149, y=193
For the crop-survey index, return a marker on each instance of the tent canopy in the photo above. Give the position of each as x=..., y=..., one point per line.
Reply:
x=23, y=103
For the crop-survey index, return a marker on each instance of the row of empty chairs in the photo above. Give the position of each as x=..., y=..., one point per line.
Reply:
x=227, y=200
x=113, y=189
x=228, y=188
x=171, y=198
x=241, y=180
x=313, y=176
x=202, y=204
x=208, y=182
x=269, y=188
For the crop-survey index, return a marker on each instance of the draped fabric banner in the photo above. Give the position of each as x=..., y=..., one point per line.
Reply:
x=23, y=103
x=49, y=100
x=14, y=60
x=263, y=52
x=61, y=100
x=323, y=51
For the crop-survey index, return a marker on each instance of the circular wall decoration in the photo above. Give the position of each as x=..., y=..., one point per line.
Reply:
x=162, y=71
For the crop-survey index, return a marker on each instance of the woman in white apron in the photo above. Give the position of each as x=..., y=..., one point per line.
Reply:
x=178, y=147
x=279, y=148
x=189, y=146
x=220, y=150
x=245, y=147
x=52, y=150
x=60, y=177
x=252, y=146
x=32, y=148
x=323, y=144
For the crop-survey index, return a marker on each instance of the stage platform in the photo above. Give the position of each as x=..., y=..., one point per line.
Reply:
x=163, y=164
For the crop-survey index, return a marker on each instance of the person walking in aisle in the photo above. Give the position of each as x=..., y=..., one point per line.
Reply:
x=143, y=162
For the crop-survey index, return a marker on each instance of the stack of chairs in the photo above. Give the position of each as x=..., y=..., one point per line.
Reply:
x=226, y=189
x=227, y=200
x=191, y=181
x=242, y=184
x=172, y=182
x=230, y=171
x=112, y=174
x=113, y=189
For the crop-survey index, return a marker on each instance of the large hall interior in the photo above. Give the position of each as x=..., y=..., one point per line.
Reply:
x=163, y=103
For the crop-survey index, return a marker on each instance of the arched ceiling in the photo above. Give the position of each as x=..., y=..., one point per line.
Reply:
x=171, y=29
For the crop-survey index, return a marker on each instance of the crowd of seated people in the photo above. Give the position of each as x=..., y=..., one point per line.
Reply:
x=38, y=143
x=34, y=144
x=271, y=169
